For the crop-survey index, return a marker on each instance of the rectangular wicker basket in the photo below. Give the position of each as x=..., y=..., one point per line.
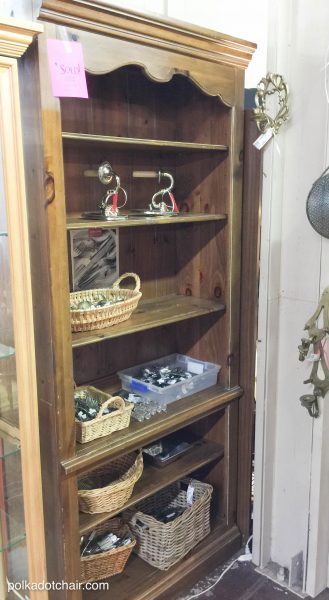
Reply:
x=112, y=562
x=114, y=484
x=163, y=544
x=103, y=424
x=105, y=316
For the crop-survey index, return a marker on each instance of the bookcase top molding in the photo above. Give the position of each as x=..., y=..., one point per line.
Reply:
x=175, y=36
x=16, y=35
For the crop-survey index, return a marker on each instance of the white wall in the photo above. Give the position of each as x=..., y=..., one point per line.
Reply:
x=291, y=512
x=246, y=19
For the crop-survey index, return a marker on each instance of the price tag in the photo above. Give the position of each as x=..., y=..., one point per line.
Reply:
x=194, y=367
x=263, y=139
x=189, y=495
x=67, y=70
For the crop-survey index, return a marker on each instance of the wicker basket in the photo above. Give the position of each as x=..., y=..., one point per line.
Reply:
x=112, y=562
x=103, y=424
x=164, y=544
x=114, y=484
x=105, y=316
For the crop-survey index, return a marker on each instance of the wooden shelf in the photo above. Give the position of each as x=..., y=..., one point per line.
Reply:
x=127, y=142
x=75, y=221
x=140, y=581
x=179, y=413
x=155, y=479
x=151, y=314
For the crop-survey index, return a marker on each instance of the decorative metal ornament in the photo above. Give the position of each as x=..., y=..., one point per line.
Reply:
x=269, y=85
x=161, y=206
x=109, y=203
x=317, y=338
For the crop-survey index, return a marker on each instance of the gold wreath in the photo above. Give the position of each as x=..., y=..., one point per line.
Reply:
x=267, y=86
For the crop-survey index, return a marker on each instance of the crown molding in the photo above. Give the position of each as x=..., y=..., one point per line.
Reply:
x=99, y=17
x=16, y=35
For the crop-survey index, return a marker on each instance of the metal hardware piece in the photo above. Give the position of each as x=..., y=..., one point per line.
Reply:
x=109, y=203
x=310, y=402
x=269, y=85
x=317, y=338
x=162, y=207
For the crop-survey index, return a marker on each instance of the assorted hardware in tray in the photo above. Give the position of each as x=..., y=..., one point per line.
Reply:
x=162, y=202
x=144, y=408
x=147, y=390
x=170, y=378
x=96, y=544
x=170, y=448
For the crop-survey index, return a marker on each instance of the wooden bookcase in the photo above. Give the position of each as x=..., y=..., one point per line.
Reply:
x=161, y=95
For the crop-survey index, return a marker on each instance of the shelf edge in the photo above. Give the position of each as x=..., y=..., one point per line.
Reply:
x=75, y=465
x=140, y=142
x=101, y=337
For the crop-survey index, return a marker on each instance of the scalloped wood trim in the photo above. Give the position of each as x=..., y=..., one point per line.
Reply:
x=16, y=36
x=148, y=30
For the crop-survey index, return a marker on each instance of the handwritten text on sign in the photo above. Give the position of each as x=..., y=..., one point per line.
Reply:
x=67, y=69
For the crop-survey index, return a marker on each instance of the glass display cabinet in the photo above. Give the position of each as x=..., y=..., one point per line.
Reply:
x=22, y=555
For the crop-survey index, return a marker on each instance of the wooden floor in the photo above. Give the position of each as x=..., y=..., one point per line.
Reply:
x=241, y=582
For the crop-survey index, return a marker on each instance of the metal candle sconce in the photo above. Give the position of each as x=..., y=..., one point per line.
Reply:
x=109, y=207
x=109, y=203
x=162, y=202
x=158, y=205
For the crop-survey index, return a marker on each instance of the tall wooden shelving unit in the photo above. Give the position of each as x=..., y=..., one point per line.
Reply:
x=162, y=95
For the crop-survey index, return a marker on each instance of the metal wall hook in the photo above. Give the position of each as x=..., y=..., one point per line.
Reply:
x=162, y=205
x=109, y=203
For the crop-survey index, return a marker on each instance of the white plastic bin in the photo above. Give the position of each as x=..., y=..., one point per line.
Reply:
x=204, y=375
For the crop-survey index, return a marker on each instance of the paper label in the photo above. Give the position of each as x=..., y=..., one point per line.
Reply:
x=263, y=139
x=194, y=367
x=67, y=70
x=189, y=495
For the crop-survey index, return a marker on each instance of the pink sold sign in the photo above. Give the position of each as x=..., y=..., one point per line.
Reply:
x=67, y=69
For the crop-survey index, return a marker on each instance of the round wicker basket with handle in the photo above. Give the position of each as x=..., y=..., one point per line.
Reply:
x=103, y=424
x=105, y=316
x=109, y=487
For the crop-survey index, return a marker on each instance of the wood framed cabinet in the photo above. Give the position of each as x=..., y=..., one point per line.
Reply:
x=22, y=545
x=162, y=95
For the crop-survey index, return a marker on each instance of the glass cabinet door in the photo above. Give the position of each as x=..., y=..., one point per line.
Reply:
x=13, y=545
x=22, y=554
